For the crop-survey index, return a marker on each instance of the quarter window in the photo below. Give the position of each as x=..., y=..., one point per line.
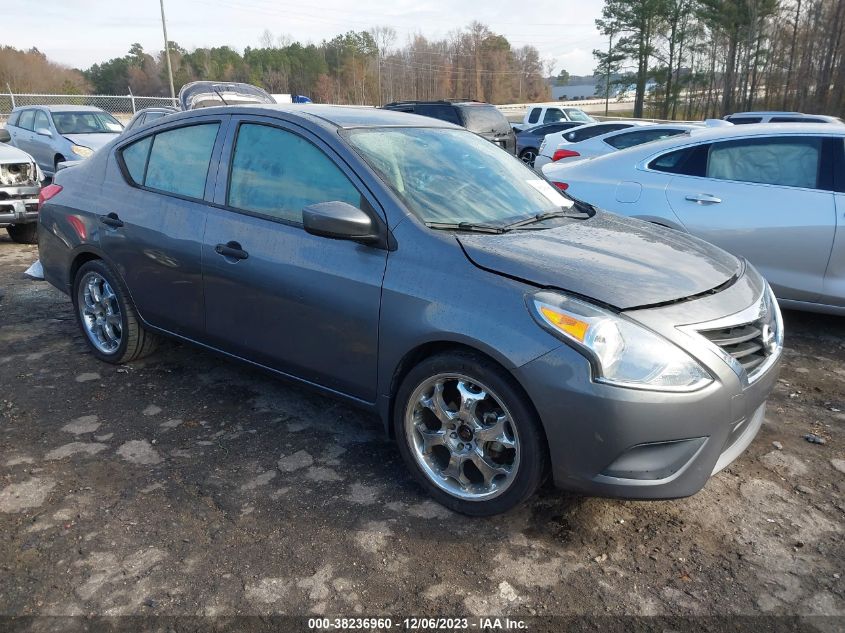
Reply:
x=787, y=161
x=176, y=160
x=276, y=173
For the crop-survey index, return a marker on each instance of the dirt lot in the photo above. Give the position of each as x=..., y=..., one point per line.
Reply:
x=189, y=485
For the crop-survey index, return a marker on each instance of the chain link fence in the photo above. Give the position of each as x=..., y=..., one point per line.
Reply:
x=122, y=107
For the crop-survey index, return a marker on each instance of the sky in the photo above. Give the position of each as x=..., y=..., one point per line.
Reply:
x=79, y=33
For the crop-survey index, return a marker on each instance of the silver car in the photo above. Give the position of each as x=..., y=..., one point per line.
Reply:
x=61, y=133
x=20, y=182
x=770, y=193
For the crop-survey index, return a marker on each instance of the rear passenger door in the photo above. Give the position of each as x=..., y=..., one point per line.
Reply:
x=768, y=199
x=157, y=191
x=301, y=304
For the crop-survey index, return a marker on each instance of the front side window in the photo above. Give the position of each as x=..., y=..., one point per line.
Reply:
x=175, y=161
x=41, y=121
x=86, y=123
x=788, y=161
x=534, y=116
x=453, y=176
x=276, y=173
x=638, y=137
x=552, y=115
x=575, y=114
x=27, y=119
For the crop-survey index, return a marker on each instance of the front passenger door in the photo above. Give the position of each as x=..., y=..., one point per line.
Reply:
x=304, y=305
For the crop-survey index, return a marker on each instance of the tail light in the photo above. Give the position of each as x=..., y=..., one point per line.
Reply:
x=564, y=153
x=46, y=193
x=563, y=186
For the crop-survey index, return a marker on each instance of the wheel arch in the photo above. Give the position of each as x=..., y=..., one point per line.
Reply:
x=432, y=348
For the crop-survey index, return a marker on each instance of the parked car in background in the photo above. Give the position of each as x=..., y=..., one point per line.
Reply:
x=528, y=140
x=771, y=194
x=20, y=182
x=502, y=330
x=482, y=118
x=148, y=115
x=553, y=142
x=614, y=141
x=61, y=133
x=551, y=113
x=745, y=118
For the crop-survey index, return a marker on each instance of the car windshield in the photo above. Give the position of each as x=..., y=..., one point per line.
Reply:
x=86, y=123
x=575, y=114
x=454, y=176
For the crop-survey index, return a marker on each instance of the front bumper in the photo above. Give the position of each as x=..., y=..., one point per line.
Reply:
x=612, y=441
x=18, y=205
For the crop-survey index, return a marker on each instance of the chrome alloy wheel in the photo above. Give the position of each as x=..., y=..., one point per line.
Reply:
x=99, y=311
x=528, y=157
x=462, y=436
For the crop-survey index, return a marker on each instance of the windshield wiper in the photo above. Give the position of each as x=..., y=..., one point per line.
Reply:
x=582, y=213
x=466, y=226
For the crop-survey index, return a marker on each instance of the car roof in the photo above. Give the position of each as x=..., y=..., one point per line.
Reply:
x=327, y=116
x=61, y=108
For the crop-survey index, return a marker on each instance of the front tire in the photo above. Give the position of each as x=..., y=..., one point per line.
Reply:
x=469, y=434
x=107, y=317
x=24, y=233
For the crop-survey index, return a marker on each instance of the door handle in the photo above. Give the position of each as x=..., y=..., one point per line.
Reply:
x=111, y=220
x=232, y=250
x=704, y=198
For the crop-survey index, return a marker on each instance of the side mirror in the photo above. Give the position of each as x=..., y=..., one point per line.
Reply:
x=340, y=221
x=43, y=131
x=5, y=137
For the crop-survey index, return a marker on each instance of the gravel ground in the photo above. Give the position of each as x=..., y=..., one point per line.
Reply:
x=186, y=484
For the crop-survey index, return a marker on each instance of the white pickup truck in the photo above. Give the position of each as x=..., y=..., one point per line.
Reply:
x=20, y=182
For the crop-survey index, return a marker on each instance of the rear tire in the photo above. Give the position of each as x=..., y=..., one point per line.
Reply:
x=469, y=434
x=24, y=233
x=528, y=156
x=107, y=317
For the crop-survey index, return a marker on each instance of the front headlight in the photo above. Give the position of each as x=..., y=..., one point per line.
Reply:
x=622, y=352
x=82, y=151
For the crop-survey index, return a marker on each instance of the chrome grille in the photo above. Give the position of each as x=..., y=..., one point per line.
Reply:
x=743, y=342
x=750, y=341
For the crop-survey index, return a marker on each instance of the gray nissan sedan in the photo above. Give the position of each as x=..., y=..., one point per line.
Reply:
x=502, y=331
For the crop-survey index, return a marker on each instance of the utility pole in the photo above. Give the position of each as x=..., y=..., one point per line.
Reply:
x=167, y=53
x=607, y=75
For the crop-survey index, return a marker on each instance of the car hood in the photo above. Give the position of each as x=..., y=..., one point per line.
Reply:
x=621, y=262
x=93, y=141
x=9, y=154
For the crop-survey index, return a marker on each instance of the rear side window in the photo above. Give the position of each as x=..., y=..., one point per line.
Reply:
x=176, y=160
x=787, y=161
x=534, y=116
x=582, y=134
x=638, y=137
x=744, y=120
x=485, y=118
x=27, y=119
x=442, y=111
x=276, y=173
